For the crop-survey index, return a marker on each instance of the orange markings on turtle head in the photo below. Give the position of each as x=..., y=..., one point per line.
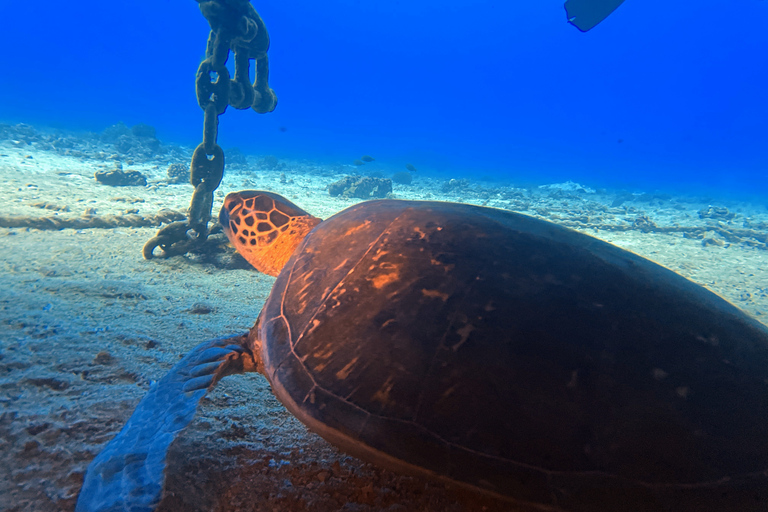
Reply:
x=265, y=228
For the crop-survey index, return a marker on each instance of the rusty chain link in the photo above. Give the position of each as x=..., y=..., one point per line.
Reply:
x=237, y=27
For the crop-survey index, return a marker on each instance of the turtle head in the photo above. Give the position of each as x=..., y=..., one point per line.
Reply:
x=265, y=228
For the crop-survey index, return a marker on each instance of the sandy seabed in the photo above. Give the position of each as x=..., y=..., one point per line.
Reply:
x=86, y=325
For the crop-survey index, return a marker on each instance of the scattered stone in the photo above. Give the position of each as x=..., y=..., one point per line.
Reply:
x=711, y=241
x=644, y=224
x=36, y=428
x=178, y=173
x=712, y=238
x=568, y=186
x=118, y=178
x=112, y=133
x=653, y=197
x=30, y=448
x=138, y=142
x=235, y=158
x=716, y=212
x=362, y=187
x=131, y=200
x=54, y=384
x=402, y=178
x=270, y=162
x=200, y=308
x=621, y=199
x=50, y=206
x=103, y=358
x=454, y=185
x=143, y=131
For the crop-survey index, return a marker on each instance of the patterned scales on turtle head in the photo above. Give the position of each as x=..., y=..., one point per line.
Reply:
x=265, y=228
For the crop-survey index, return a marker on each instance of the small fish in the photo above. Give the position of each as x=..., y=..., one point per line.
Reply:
x=358, y=162
x=410, y=167
x=367, y=158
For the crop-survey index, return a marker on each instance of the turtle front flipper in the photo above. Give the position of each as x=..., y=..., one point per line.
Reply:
x=128, y=474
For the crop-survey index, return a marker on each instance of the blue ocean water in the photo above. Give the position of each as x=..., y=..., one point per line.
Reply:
x=660, y=95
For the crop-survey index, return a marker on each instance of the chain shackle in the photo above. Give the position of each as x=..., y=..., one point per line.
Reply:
x=248, y=29
x=265, y=99
x=210, y=129
x=205, y=173
x=210, y=91
x=205, y=170
x=241, y=92
x=172, y=240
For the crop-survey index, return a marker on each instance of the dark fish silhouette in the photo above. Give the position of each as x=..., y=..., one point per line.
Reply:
x=410, y=167
x=585, y=14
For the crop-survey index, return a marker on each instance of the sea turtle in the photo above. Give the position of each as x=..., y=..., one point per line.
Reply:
x=482, y=347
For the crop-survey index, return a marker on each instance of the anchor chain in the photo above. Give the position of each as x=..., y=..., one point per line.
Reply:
x=236, y=27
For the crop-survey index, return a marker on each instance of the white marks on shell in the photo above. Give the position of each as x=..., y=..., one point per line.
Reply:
x=302, y=295
x=382, y=394
x=312, y=326
x=341, y=265
x=464, y=332
x=711, y=340
x=660, y=375
x=334, y=301
x=344, y=372
x=379, y=254
x=322, y=358
x=434, y=294
x=389, y=274
x=574, y=380
x=308, y=280
x=358, y=227
x=446, y=267
x=450, y=391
